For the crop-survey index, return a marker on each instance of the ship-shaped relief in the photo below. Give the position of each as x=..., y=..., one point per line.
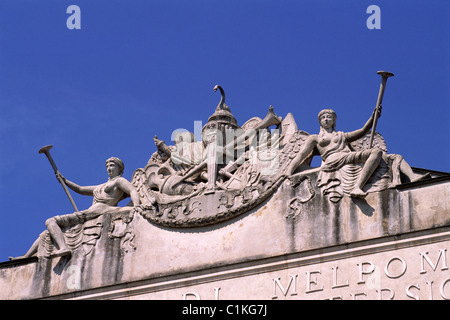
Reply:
x=233, y=169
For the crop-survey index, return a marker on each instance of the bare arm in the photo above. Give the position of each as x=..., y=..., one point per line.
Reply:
x=355, y=135
x=161, y=145
x=128, y=188
x=305, y=152
x=87, y=191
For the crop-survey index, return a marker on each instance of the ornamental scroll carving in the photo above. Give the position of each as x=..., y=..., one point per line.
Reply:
x=197, y=183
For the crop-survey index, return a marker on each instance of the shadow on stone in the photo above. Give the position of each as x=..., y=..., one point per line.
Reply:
x=364, y=206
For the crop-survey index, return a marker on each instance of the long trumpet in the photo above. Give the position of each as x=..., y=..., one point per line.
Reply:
x=269, y=120
x=384, y=76
x=46, y=150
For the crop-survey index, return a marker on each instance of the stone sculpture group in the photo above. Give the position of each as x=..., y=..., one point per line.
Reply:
x=230, y=171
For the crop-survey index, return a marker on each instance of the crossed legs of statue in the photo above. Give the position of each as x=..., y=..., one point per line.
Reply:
x=33, y=249
x=369, y=167
x=399, y=165
x=57, y=235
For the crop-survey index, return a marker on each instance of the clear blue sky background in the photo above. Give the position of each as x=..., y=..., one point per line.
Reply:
x=139, y=68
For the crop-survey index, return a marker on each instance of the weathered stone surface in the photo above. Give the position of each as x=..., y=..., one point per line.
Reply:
x=233, y=211
x=280, y=231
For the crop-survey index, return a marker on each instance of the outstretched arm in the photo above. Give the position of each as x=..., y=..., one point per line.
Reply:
x=87, y=190
x=128, y=188
x=355, y=135
x=304, y=153
x=161, y=145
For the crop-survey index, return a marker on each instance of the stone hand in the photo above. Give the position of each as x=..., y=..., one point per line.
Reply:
x=157, y=141
x=138, y=209
x=377, y=110
x=60, y=177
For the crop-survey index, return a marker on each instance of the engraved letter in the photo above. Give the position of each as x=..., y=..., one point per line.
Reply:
x=410, y=294
x=293, y=281
x=74, y=21
x=380, y=294
x=374, y=21
x=362, y=271
x=195, y=294
x=386, y=268
x=430, y=286
x=335, y=285
x=310, y=281
x=442, y=290
x=354, y=295
x=216, y=293
x=424, y=256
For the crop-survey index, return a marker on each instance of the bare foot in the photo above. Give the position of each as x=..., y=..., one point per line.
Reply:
x=421, y=177
x=357, y=192
x=393, y=185
x=17, y=258
x=61, y=252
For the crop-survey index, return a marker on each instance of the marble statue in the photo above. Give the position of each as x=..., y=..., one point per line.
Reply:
x=232, y=170
x=191, y=186
x=106, y=198
x=336, y=151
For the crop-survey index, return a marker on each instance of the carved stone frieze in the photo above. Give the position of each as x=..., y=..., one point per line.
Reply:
x=232, y=170
x=250, y=195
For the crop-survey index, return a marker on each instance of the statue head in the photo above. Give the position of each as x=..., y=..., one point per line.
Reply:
x=327, y=112
x=118, y=162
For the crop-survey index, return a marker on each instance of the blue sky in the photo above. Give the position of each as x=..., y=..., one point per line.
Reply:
x=140, y=68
